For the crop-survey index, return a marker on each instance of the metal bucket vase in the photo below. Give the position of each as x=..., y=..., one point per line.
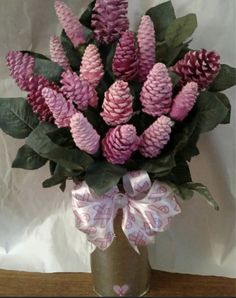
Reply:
x=119, y=270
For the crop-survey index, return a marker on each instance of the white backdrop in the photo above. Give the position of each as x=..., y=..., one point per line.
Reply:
x=37, y=230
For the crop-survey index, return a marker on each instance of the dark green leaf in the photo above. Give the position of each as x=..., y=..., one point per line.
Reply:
x=72, y=54
x=62, y=137
x=102, y=176
x=179, y=174
x=39, y=141
x=162, y=16
x=52, y=167
x=48, y=69
x=225, y=79
x=181, y=29
x=96, y=120
x=211, y=111
x=16, y=117
x=174, y=78
x=224, y=99
x=161, y=166
x=181, y=191
x=28, y=159
x=86, y=17
x=35, y=55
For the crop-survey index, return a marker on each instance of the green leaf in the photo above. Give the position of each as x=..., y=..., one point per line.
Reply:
x=162, y=16
x=58, y=177
x=224, y=99
x=211, y=111
x=50, y=70
x=86, y=17
x=40, y=142
x=62, y=137
x=181, y=29
x=181, y=191
x=71, y=53
x=35, y=55
x=28, y=159
x=202, y=190
x=52, y=167
x=174, y=78
x=179, y=174
x=16, y=117
x=225, y=79
x=102, y=176
x=160, y=166
x=96, y=120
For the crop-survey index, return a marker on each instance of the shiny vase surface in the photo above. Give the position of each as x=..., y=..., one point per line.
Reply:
x=120, y=270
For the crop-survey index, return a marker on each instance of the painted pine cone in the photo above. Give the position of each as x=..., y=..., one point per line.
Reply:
x=198, y=66
x=154, y=139
x=78, y=90
x=120, y=143
x=21, y=68
x=184, y=101
x=118, y=104
x=61, y=109
x=57, y=53
x=125, y=62
x=70, y=23
x=156, y=94
x=91, y=68
x=147, y=47
x=109, y=19
x=85, y=136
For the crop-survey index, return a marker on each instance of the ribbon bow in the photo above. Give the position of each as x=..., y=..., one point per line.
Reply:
x=147, y=209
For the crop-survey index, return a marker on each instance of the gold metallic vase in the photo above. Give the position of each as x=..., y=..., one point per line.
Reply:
x=120, y=270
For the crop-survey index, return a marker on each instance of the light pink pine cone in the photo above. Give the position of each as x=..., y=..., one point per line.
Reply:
x=61, y=109
x=57, y=53
x=85, y=136
x=147, y=47
x=35, y=86
x=198, y=66
x=109, y=19
x=125, y=62
x=156, y=94
x=154, y=139
x=91, y=68
x=118, y=104
x=184, y=101
x=78, y=90
x=70, y=23
x=21, y=68
x=120, y=143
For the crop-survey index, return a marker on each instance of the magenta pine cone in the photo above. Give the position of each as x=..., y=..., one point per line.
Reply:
x=85, y=136
x=119, y=143
x=184, y=101
x=147, y=47
x=118, y=104
x=57, y=53
x=21, y=68
x=125, y=62
x=109, y=19
x=70, y=23
x=156, y=94
x=35, y=98
x=78, y=90
x=61, y=109
x=154, y=139
x=91, y=68
x=198, y=66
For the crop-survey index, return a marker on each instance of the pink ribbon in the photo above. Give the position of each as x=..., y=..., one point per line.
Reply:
x=147, y=209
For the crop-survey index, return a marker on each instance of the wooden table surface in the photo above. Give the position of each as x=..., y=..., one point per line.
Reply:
x=18, y=284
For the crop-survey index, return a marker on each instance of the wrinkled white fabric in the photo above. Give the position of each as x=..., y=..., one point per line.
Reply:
x=37, y=231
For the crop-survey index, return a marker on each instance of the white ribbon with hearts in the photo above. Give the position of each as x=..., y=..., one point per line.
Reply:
x=147, y=210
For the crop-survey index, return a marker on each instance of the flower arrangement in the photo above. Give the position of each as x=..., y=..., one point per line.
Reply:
x=111, y=101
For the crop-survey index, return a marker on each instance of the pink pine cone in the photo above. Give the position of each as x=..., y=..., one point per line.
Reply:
x=91, y=68
x=184, y=101
x=57, y=53
x=70, y=23
x=156, y=94
x=198, y=66
x=35, y=86
x=154, y=139
x=21, y=68
x=61, y=109
x=118, y=104
x=78, y=90
x=109, y=19
x=147, y=47
x=125, y=62
x=85, y=136
x=120, y=143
